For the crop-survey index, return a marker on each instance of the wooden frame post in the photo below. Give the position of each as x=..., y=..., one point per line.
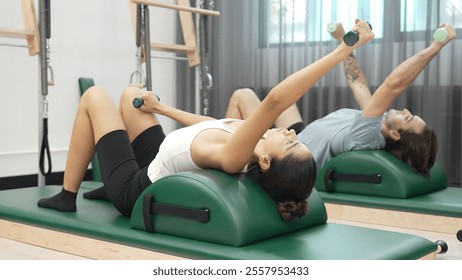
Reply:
x=30, y=32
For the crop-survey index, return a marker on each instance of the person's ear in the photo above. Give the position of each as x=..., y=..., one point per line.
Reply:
x=264, y=161
x=394, y=134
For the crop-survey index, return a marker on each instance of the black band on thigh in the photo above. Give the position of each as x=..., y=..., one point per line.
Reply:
x=297, y=127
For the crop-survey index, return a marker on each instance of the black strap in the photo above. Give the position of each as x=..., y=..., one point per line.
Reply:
x=330, y=175
x=150, y=207
x=198, y=215
x=147, y=213
x=45, y=149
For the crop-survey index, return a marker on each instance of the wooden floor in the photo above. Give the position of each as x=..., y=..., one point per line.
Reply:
x=14, y=250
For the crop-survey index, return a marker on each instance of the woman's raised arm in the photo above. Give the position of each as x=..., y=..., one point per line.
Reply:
x=241, y=146
x=152, y=105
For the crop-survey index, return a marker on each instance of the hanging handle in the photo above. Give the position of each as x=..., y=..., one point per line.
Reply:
x=45, y=150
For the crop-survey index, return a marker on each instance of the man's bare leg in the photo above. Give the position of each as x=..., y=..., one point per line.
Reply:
x=244, y=101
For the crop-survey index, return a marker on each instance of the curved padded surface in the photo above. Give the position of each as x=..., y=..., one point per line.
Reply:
x=100, y=220
x=241, y=212
x=397, y=178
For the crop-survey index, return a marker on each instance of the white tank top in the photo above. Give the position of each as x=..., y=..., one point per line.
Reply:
x=175, y=151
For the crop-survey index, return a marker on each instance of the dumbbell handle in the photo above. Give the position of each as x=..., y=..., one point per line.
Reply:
x=138, y=102
x=352, y=37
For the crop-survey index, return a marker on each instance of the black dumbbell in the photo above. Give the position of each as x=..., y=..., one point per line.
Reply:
x=352, y=37
x=138, y=102
x=442, y=247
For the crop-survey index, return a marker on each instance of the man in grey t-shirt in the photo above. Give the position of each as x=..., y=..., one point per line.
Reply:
x=405, y=135
x=342, y=131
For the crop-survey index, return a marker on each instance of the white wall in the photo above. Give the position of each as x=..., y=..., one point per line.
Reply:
x=89, y=38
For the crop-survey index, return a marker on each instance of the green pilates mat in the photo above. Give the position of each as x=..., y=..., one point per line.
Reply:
x=100, y=220
x=446, y=202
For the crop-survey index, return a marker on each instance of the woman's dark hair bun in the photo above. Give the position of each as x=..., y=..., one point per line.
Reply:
x=290, y=210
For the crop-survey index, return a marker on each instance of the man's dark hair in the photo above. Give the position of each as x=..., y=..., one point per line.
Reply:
x=418, y=150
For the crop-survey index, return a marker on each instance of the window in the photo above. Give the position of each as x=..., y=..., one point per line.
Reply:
x=306, y=20
x=300, y=21
x=449, y=11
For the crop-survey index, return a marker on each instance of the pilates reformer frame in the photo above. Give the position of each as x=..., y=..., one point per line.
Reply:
x=195, y=55
x=37, y=36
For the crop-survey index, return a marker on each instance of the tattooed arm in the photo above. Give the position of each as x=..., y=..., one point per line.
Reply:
x=357, y=81
x=353, y=73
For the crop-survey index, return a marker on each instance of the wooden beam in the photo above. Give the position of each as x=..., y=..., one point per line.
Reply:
x=132, y=8
x=189, y=47
x=172, y=47
x=189, y=34
x=30, y=23
x=30, y=32
x=15, y=33
x=177, y=7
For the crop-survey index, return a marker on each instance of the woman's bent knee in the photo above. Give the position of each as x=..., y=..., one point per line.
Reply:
x=94, y=95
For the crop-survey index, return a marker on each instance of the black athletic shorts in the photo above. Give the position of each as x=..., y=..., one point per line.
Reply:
x=297, y=127
x=124, y=165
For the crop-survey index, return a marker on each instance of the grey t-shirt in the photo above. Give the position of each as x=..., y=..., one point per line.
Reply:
x=342, y=131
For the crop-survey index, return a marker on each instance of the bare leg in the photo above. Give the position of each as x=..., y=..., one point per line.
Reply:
x=136, y=121
x=244, y=101
x=289, y=117
x=96, y=116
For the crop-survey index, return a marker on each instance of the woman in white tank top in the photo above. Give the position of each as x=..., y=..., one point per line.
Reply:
x=286, y=167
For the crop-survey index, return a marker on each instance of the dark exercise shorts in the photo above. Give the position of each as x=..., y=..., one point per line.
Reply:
x=297, y=127
x=124, y=165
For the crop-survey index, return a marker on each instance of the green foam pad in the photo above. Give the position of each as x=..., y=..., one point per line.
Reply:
x=85, y=83
x=100, y=220
x=397, y=180
x=241, y=212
